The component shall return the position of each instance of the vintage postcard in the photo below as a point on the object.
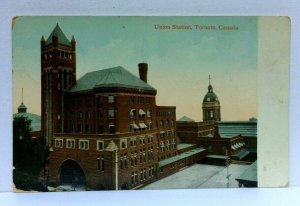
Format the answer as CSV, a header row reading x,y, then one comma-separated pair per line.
x,y
141,103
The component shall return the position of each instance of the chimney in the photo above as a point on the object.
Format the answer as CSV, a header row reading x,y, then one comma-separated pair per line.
x,y
143,69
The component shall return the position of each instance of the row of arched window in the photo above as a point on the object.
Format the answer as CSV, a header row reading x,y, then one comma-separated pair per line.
x,y
166,123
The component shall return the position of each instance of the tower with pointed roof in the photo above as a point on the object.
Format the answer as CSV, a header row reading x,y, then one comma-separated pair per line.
x,y
211,105
58,74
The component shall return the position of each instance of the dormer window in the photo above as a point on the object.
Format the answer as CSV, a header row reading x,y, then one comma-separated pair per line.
x,y
208,99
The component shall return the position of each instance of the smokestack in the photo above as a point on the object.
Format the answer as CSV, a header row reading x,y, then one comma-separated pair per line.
x,y
143,69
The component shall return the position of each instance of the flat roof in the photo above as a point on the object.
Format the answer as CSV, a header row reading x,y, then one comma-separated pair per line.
x,y
216,156
180,156
241,154
250,173
183,145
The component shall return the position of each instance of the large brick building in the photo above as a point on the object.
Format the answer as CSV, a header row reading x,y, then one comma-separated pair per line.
x,y
105,129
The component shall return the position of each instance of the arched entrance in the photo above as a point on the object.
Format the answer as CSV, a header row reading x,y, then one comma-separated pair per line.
x,y
72,174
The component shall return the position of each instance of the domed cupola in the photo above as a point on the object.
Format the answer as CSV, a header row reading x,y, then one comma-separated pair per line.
x,y
211,105
22,108
210,95
35,119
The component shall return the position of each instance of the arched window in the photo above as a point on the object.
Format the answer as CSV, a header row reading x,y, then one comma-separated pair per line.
x,y
211,113
161,123
172,122
79,115
167,123
149,113
87,115
132,113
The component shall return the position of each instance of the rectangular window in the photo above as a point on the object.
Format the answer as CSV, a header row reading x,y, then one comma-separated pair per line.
x,y
71,143
135,158
111,128
79,128
123,143
100,128
59,143
88,115
142,140
99,100
79,115
111,99
168,145
73,115
132,178
88,128
136,178
149,125
125,160
148,100
100,145
142,175
133,142
162,146
121,162
84,144
150,139
131,159
141,100
144,155
141,157
100,163
100,115
111,113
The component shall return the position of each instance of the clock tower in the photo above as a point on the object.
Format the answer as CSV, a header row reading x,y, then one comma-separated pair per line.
x,y
58,74
211,106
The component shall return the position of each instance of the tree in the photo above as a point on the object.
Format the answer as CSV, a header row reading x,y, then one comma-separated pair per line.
x,y
29,155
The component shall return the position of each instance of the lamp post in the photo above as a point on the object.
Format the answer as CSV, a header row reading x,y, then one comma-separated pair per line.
x,y
117,175
227,169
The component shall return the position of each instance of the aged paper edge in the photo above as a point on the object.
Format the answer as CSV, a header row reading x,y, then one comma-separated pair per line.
x,y
274,35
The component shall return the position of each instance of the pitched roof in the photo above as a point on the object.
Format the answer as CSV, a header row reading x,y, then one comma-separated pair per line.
x,y
234,128
185,119
62,39
111,77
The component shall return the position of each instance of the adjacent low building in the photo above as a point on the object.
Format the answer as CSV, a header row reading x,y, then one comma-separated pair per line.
x,y
35,119
249,177
221,139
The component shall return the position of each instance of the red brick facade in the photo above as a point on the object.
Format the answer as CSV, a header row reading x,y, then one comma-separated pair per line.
x,y
107,137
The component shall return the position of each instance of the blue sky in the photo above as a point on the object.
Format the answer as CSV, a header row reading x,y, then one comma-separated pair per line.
x,y
179,60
